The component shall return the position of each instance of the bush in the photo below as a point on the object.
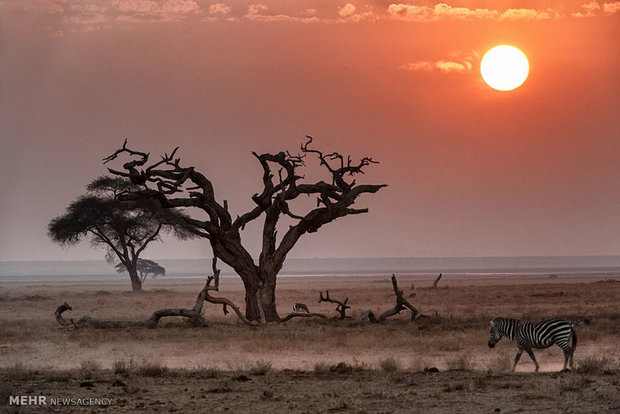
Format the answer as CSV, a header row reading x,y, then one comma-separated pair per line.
x,y
18,372
389,364
594,365
88,369
259,367
460,363
121,367
321,368
501,363
152,369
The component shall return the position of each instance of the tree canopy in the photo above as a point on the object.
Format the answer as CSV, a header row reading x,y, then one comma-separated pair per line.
x,y
145,267
176,186
123,228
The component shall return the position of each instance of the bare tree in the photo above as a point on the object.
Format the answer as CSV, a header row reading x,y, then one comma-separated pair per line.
x,y
175,185
124,229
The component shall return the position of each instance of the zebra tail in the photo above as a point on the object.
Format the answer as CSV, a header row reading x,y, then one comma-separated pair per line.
x,y
574,339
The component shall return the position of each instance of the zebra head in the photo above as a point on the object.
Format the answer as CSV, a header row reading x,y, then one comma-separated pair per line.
x,y
495,335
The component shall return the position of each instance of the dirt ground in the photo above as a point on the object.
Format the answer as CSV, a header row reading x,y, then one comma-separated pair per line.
x,y
310,365
340,391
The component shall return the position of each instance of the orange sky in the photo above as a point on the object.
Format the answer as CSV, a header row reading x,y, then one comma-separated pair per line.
x,y
471,171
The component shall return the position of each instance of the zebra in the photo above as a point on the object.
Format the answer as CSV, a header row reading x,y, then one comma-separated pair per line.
x,y
535,335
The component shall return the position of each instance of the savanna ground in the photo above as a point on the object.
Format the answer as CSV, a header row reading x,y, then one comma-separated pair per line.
x,y
312,365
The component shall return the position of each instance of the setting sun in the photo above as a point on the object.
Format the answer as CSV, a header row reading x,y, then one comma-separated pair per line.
x,y
504,68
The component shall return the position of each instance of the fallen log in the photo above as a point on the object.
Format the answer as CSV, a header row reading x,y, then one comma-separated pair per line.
x,y
194,313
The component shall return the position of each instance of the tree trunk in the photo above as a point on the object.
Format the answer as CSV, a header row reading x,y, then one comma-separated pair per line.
x,y
260,298
136,283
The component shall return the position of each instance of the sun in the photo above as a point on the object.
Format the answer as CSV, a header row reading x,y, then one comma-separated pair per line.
x,y
504,68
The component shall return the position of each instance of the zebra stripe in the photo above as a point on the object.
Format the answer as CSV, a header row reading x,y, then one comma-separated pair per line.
x,y
535,335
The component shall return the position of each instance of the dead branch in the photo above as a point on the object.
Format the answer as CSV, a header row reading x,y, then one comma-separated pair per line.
x,y
174,185
436,281
342,306
152,322
302,315
401,304
205,296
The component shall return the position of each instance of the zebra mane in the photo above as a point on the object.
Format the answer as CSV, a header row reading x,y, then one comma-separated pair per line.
x,y
508,320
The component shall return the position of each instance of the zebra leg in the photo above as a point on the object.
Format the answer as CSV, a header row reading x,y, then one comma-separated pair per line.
x,y
519,352
568,358
531,354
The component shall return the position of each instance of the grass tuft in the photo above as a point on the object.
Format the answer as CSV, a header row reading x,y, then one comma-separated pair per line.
x,y
259,367
321,368
88,368
18,372
594,365
122,367
390,364
152,369
501,363
460,363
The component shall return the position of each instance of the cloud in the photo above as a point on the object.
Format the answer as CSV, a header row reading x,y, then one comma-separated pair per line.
x,y
527,14
76,15
259,13
444,66
34,6
347,10
447,66
220,8
257,10
443,11
166,8
611,8
588,10
593,9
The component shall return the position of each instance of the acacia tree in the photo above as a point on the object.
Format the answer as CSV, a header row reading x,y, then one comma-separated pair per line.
x,y
145,267
123,228
174,185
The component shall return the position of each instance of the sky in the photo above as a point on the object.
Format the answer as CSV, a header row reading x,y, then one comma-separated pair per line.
x,y
471,171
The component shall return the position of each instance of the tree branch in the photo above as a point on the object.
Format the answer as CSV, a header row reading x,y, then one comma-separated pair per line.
x,y
342,306
401,304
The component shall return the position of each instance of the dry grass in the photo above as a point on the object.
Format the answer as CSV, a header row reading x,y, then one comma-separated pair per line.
x,y
461,362
390,364
597,365
460,329
502,363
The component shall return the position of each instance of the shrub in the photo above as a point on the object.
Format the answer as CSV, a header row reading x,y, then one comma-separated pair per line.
x,y
121,367
152,369
501,363
88,368
389,364
460,363
18,372
321,368
594,365
259,367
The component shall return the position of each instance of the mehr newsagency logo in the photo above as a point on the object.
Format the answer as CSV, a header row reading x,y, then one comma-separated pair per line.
x,y
44,400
